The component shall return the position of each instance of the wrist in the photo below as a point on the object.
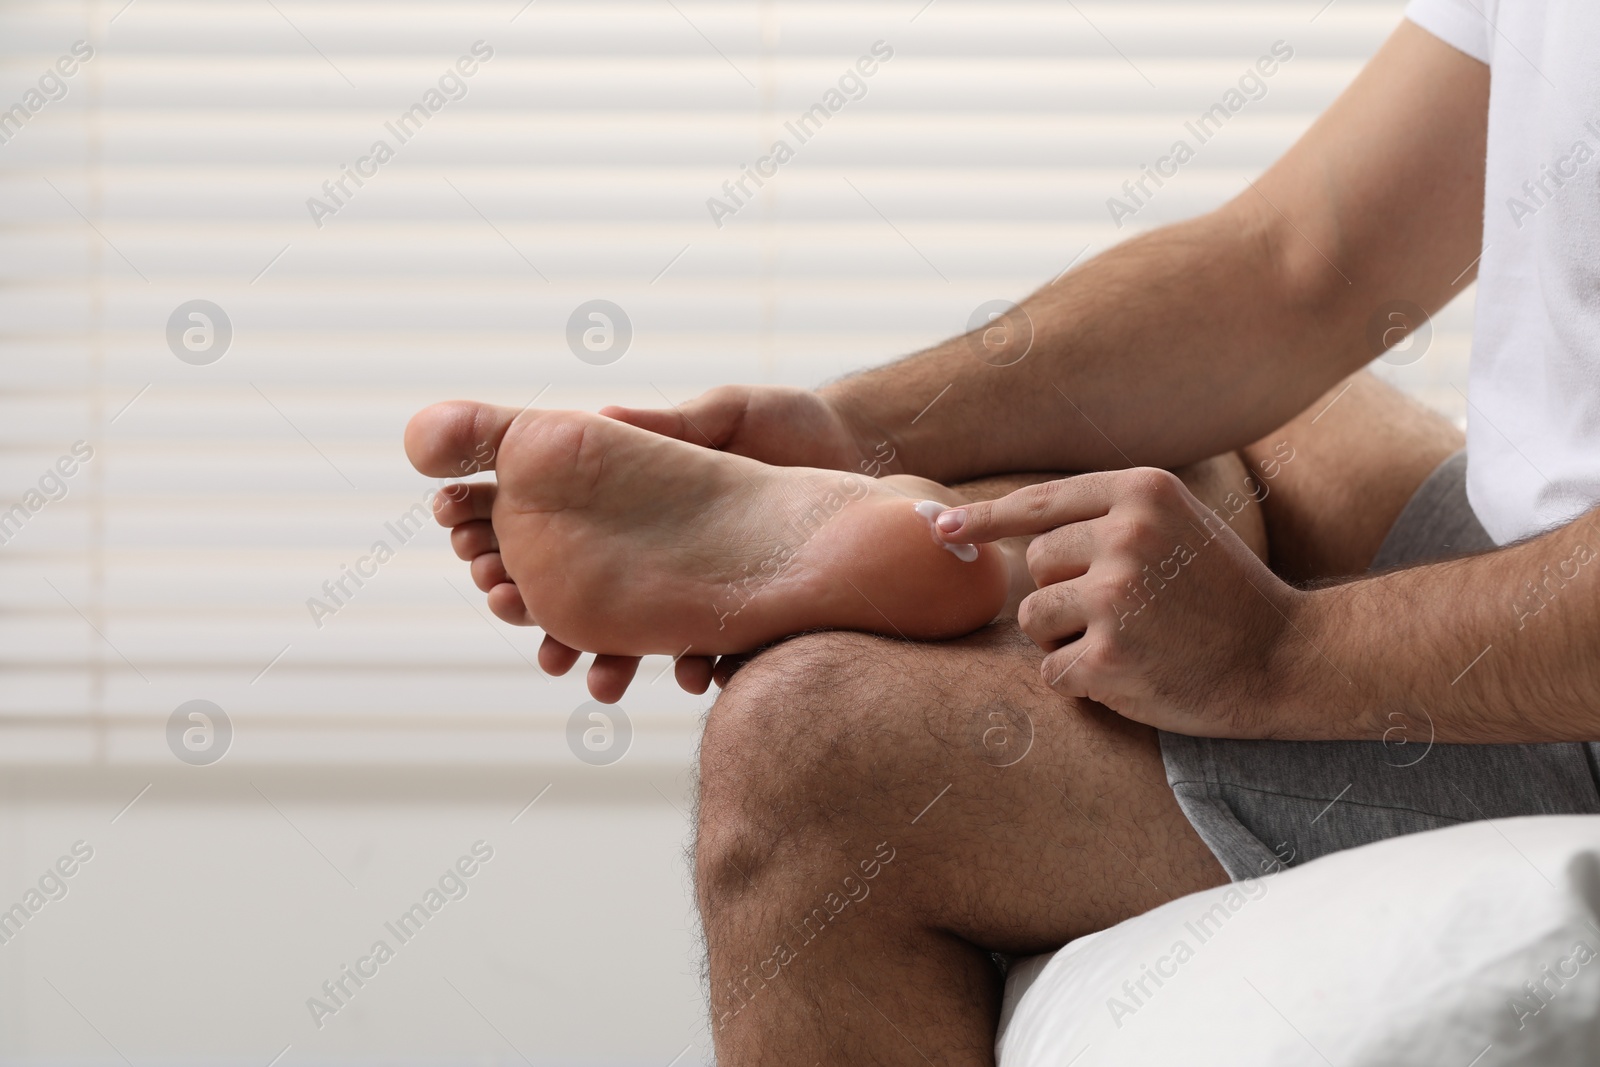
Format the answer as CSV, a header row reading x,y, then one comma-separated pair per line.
x,y
880,451
1312,693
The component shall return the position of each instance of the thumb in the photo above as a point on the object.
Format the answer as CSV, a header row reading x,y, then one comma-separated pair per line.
x,y
666,422
708,420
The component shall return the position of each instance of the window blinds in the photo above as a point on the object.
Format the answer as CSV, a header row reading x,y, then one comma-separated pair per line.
x,y
221,298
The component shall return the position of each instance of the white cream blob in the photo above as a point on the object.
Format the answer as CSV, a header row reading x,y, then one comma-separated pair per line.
x,y
932,509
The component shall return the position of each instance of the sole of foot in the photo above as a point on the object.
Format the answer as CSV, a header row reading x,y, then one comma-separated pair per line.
x,y
623,542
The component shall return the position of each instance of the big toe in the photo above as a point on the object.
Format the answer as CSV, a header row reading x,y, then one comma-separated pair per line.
x,y
457,438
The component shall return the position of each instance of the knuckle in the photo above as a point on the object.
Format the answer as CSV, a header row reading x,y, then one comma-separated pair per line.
x,y
1109,652
1112,581
1098,659
1144,538
1070,668
1028,621
1034,613
1037,500
1041,551
1152,483
1124,532
721,396
1113,597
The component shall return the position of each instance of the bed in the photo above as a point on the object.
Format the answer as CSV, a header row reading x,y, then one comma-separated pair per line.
x,y
1472,946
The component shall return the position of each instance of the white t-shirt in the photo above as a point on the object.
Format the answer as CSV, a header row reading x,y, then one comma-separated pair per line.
x,y
1533,421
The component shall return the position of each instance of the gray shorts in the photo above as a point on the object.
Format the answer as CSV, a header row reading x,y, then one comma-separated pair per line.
x,y
1260,805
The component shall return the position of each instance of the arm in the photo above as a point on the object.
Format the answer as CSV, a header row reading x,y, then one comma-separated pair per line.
x,y
1498,648
1202,336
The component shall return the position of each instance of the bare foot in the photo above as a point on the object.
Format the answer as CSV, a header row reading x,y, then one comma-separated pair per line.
x,y
623,542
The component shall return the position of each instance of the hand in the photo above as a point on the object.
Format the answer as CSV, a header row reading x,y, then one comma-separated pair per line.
x,y
783,426
1147,602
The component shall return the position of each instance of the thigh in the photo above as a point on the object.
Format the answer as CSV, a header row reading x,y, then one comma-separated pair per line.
x,y
1018,819
1357,456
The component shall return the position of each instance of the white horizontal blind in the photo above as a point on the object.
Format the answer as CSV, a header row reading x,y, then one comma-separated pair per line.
x,y
576,164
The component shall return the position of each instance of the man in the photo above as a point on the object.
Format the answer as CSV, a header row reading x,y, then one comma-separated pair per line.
x,y
877,817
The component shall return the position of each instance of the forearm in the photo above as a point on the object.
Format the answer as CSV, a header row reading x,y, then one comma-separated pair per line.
x,y
1498,648
1169,348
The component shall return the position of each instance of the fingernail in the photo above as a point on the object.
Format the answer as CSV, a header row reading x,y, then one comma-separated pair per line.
x,y
952,521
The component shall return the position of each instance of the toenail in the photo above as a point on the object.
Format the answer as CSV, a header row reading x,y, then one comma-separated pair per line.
x,y
952,521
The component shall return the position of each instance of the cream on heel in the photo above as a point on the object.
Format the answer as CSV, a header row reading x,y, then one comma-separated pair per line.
x,y
930,510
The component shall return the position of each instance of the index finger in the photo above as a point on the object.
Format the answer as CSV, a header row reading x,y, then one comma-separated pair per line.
x,y
1033,509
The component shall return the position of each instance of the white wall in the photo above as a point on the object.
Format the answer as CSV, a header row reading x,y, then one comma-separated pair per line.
x,y
205,920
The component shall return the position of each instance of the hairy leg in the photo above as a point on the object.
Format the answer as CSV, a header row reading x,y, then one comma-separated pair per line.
x,y
875,816
831,752
1359,453
949,802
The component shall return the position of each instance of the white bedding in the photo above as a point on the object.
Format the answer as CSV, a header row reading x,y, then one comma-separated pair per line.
x,y
1474,946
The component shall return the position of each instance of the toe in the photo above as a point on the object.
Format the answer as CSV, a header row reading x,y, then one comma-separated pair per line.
x,y
610,676
457,438
473,539
505,601
463,502
693,674
488,571
556,658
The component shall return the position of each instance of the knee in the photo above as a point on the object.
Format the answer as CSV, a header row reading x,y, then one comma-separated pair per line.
x,y
778,756
1233,492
